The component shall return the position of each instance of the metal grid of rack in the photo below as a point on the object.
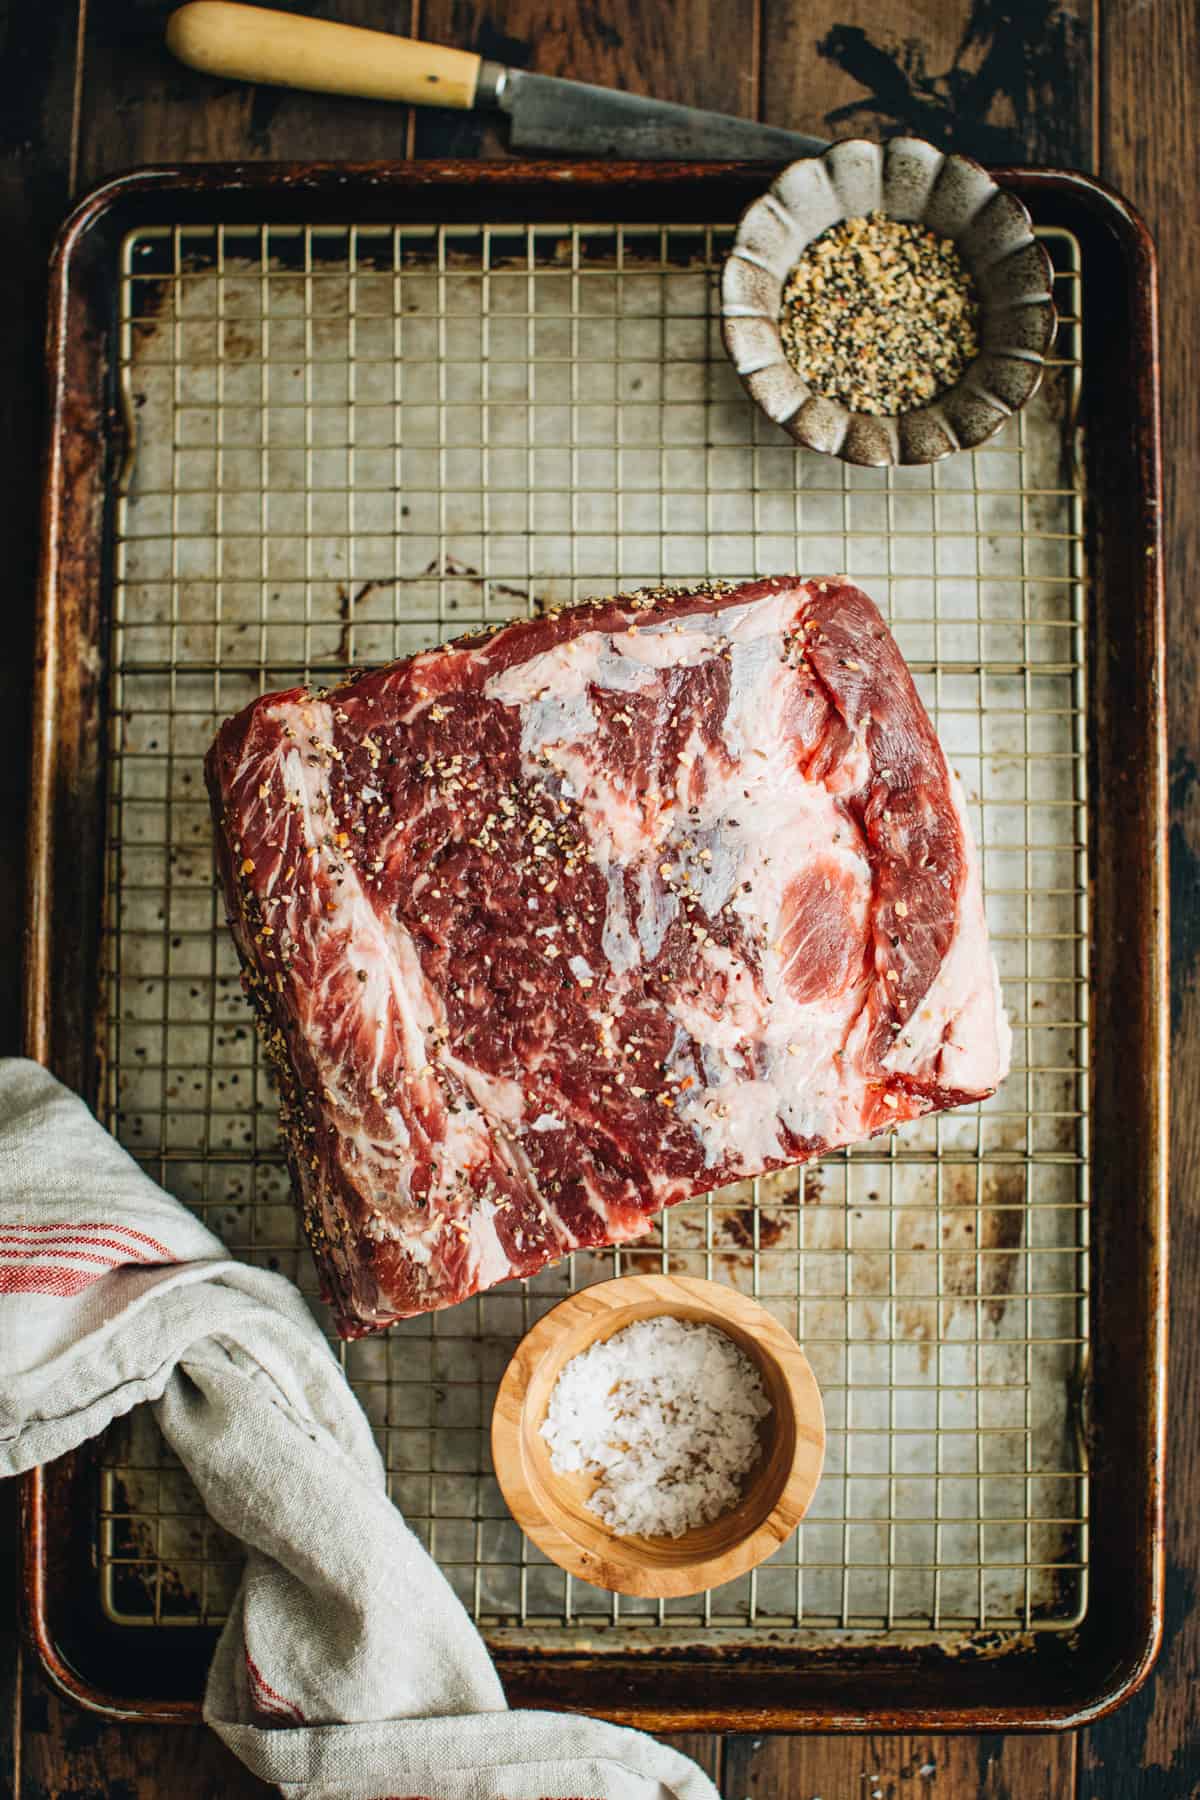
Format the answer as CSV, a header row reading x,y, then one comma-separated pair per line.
x,y
349,443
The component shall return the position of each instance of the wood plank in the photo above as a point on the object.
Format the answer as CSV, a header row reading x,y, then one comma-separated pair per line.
x,y
703,1747
1150,1749
139,105
698,52
36,80
37,67
1002,82
899,1768
72,1755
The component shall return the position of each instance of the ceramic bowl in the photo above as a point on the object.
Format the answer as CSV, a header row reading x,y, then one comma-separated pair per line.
x,y
551,1508
956,198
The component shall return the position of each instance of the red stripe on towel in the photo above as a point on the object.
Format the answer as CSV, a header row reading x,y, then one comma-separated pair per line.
x,y
12,1244
45,1279
265,1697
39,1255
73,1226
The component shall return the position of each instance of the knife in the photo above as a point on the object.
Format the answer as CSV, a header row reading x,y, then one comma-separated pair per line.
x,y
252,43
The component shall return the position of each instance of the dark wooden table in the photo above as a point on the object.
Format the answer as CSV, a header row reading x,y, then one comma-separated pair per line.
x,y
1111,86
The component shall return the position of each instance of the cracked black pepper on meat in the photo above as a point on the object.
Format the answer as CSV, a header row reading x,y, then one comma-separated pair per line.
x,y
880,314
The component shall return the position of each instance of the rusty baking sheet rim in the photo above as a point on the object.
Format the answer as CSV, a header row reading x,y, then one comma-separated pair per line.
x,y
977,1684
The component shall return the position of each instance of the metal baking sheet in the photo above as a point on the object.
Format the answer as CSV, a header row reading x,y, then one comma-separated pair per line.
x,y
347,443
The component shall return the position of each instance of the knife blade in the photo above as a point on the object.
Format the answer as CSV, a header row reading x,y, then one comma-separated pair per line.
x,y
546,112
550,113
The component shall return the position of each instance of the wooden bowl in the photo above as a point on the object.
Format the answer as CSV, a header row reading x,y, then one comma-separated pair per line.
x,y
550,1508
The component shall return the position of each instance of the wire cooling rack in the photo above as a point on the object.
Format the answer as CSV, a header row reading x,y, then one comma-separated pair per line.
x,y
348,443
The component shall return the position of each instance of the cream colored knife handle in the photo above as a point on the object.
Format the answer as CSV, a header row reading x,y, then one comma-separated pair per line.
x,y
253,43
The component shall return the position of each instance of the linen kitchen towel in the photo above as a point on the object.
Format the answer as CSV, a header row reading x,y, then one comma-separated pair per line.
x,y
348,1670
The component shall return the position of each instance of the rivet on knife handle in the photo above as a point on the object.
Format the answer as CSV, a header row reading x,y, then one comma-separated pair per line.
x,y
253,43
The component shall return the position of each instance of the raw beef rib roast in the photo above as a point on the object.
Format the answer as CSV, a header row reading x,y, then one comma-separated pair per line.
x,y
558,925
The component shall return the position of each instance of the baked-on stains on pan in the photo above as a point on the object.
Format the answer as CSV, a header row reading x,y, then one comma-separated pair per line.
x,y
738,1226
1185,880
998,1207
347,602
1015,58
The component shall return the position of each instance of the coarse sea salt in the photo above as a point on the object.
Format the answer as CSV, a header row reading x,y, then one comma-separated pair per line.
x,y
666,1412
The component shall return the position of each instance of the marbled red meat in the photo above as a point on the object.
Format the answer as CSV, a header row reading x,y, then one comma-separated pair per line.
x,y
551,928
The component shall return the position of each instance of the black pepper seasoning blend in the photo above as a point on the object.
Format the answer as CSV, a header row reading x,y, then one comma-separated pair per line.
x,y
880,314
